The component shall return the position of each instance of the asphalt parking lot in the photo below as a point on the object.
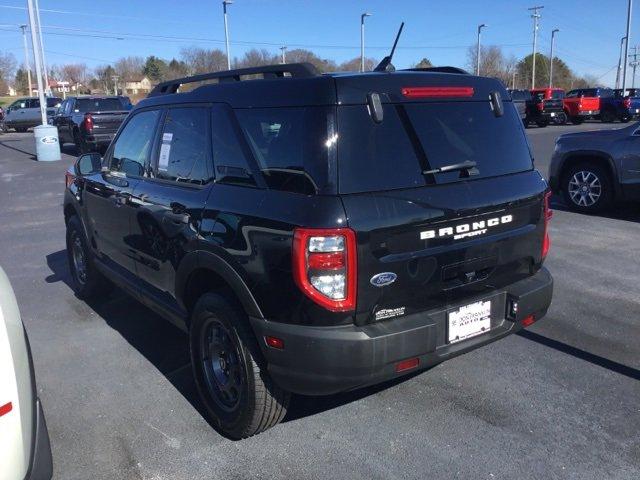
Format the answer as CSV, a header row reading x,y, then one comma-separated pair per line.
x,y
560,400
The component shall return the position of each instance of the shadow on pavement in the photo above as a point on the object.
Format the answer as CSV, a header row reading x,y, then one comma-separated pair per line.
x,y
167,348
629,212
4,143
581,354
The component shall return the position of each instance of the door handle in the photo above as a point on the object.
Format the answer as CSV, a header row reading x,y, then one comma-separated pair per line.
x,y
121,199
177,218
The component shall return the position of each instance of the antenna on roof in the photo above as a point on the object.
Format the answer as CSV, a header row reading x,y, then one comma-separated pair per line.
x,y
385,64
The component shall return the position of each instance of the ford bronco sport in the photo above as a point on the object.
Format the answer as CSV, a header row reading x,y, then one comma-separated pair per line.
x,y
316,233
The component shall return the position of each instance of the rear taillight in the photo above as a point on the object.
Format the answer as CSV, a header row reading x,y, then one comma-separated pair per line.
x,y
437,92
69,178
627,102
540,106
324,266
548,213
88,123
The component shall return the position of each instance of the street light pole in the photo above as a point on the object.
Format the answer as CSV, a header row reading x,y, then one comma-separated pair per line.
x,y
26,55
44,63
36,55
226,30
480,27
536,16
362,17
115,84
513,80
284,54
626,47
620,62
553,36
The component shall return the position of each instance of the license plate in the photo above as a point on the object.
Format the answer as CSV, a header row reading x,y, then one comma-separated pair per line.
x,y
553,114
469,321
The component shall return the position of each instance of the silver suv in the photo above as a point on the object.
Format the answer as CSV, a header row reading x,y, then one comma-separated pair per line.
x,y
25,112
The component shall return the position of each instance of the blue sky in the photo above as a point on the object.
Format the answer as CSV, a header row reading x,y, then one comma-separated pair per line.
x,y
439,30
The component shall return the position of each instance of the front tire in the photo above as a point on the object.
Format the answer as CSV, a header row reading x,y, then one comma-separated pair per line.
x,y
586,188
238,393
87,281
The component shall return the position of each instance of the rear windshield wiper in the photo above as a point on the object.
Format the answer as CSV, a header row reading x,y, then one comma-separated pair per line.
x,y
468,168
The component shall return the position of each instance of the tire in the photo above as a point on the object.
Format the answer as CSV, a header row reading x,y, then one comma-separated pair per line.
x,y
526,122
625,118
21,129
542,124
583,174
87,281
81,145
240,397
577,120
560,119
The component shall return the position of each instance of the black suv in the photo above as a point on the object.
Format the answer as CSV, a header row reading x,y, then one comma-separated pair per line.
x,y
316,233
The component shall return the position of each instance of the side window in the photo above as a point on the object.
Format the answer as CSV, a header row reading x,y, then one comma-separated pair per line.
x,y
185,154
133,146
231,165
572,94
33,103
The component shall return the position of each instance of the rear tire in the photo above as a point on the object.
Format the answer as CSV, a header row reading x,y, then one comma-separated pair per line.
x,y
87,281
587,188
542,124
607,117
81,145
20,129
560,119
240,397
577,120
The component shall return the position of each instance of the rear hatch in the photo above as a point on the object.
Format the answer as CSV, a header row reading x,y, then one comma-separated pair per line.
x,y
107,113
446,236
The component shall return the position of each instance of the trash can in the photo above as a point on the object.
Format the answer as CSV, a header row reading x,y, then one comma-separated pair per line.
x,y
47,145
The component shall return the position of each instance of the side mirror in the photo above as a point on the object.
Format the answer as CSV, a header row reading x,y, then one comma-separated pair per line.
x,y
88,163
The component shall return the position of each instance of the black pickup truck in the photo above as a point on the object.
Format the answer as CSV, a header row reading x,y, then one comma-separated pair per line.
x,y
546,106
90,122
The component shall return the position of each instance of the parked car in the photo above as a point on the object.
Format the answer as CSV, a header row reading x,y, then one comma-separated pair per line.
x,y
520,99
25,451
584,103
619,106
547,106
24,113
316,233
90,122
594,169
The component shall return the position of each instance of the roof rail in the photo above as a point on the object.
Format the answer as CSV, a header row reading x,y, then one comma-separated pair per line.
x,y
293,70
439,69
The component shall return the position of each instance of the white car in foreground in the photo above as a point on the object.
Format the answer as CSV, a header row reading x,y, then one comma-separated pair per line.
x,y
25,452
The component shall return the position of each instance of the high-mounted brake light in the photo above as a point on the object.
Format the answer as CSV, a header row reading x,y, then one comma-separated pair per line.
x,y
88,123
324,266
548,213
6,408
437,92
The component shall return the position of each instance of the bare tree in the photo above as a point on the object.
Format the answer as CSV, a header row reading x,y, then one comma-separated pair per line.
x,y
74,73
200,60
7,70
128,68
353,65
256,58
300,55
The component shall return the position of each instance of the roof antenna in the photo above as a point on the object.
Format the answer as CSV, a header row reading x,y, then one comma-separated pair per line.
x,y
385,64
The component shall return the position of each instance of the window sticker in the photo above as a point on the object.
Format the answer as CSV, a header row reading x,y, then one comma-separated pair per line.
x,y
163,161
167,137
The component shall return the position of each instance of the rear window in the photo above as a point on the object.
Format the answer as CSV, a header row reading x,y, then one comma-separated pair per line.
x,y
290,146
557,94
538,96
424,136
98,105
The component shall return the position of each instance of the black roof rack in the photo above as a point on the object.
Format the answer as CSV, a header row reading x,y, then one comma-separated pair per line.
x,y
439,69
292,70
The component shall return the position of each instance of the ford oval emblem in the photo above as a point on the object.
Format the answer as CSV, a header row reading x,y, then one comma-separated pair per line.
x,y
49,140
383,279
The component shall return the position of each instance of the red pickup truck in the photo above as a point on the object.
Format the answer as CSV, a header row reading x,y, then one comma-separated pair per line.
x,y
583,103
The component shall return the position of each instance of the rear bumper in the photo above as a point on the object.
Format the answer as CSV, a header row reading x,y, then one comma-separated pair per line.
x,y
99,138
327,360
587,113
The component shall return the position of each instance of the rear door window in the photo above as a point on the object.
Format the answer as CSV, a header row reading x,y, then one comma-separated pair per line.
x,y
184,152
424,136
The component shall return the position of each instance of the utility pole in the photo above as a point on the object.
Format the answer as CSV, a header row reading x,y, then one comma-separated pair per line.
x,y
626,47
36,54
26,55
536,16
115,84
634,64
362,17
513,80
226,30
44,63
283,49
553,36
480,27
620,62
